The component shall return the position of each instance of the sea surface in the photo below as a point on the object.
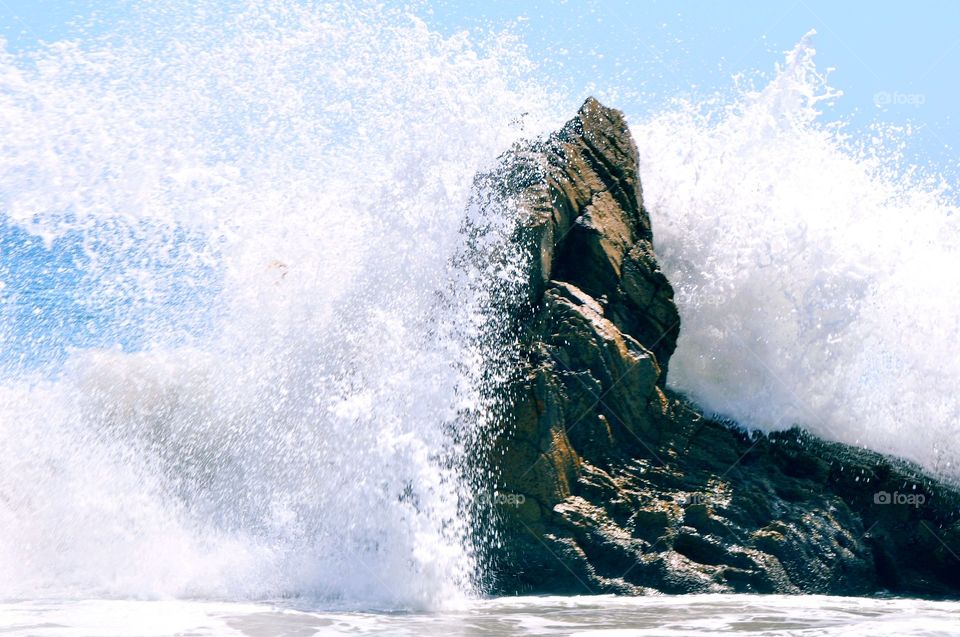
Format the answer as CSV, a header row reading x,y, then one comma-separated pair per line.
x,y
601,616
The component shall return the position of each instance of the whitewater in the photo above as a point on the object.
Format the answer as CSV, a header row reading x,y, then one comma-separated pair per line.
x,y
257,365
273,384
816,271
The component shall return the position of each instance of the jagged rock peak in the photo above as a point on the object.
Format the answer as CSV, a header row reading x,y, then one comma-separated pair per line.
x,y
588,227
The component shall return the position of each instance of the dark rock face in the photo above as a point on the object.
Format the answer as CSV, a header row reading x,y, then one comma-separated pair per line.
x,y
619,485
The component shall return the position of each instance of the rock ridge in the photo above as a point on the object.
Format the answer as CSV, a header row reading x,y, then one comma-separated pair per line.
x,y
621,485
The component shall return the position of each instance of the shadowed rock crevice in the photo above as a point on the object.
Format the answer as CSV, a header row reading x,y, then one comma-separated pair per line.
x,y
623,486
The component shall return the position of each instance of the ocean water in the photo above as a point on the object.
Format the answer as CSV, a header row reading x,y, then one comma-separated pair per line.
x,y
243,358
816,272
597,616
277,371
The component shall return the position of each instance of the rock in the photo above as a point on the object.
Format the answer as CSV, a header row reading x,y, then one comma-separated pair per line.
x,y
585,224
619,484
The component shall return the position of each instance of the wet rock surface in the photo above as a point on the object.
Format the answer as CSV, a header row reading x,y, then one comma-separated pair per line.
x,y
618,484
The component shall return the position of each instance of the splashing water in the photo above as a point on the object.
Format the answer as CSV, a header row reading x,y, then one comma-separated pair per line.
x,y
296,178
817,280
237,361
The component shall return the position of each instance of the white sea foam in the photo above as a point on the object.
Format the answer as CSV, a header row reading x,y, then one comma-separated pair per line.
x,y
593,616
301,175
817,278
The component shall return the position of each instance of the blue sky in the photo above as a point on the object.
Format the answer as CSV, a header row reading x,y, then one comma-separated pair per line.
x,y
896,62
